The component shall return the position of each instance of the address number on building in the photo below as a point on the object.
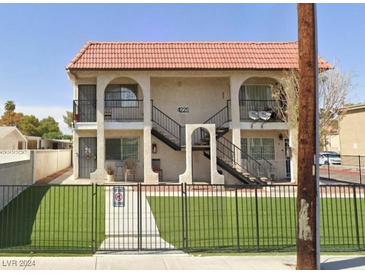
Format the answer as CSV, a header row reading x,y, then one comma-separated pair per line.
x,y
183,109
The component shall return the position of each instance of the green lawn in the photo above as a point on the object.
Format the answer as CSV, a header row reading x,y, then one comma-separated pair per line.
x,y
44,218
71,219
213,224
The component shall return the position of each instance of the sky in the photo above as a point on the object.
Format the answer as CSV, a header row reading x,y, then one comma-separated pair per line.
x,y
37,41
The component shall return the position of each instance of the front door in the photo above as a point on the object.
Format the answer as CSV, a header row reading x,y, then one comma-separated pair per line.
x,y
87,156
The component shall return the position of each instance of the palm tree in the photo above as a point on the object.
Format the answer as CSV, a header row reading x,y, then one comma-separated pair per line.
x,y
9,106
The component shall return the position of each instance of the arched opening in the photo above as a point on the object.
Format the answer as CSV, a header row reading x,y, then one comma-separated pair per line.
x,y
123,100
201,151
261,99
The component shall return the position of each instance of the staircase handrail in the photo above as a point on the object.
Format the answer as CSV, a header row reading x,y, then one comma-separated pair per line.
x,y
225,108
240,150
168,118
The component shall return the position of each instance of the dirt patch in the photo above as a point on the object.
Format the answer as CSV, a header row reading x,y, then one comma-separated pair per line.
x,y
50,178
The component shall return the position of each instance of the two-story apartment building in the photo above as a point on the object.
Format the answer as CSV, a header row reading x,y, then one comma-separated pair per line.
x,y
133,103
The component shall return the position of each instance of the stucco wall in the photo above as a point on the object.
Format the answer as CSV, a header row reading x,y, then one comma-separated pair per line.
x,y
14,177
7,156
203,96
173,163
17,175
203,92
333,143
352,130
48,162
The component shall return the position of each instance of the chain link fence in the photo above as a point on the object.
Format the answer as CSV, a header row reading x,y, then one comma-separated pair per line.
x,y
349,169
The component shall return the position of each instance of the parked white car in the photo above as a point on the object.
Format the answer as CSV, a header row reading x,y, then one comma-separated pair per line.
x,y
329,157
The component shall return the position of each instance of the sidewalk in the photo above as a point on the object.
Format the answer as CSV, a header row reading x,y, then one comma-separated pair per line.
x,y
175,262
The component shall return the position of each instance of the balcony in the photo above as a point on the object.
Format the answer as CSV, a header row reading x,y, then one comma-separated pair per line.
x,y
84,111
250,108
123,110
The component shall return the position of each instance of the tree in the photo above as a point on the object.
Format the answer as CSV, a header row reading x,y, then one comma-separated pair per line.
x,y
29,125
10,117
68,119
49,129
333,88
52,135
288,91
9,106
67,137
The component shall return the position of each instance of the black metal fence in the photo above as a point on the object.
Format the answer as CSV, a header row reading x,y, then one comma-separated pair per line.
x,y
123,110
347,168
276,108
84,111
202,218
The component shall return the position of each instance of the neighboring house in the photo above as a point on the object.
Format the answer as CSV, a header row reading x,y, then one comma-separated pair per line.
x,y
56,144
352,130
12,139
332,142
34,142
134,101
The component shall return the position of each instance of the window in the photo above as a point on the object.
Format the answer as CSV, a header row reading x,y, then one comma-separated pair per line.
x,y
121,148
258,148
268,148
126,95
112,149
243,148
255,92
129,148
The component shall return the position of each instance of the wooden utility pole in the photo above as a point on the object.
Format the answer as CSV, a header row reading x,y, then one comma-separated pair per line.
x,y
308,144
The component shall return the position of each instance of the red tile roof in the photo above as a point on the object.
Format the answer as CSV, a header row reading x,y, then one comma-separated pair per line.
x,y
188,55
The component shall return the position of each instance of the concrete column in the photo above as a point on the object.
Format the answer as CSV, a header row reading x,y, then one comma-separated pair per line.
x,y
149,175
75,155
235,85
100,173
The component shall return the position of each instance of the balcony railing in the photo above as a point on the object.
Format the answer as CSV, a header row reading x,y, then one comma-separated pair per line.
x,y
84,111
123,110
275,107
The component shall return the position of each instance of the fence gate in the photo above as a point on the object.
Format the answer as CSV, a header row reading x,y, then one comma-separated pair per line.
x,y
130,221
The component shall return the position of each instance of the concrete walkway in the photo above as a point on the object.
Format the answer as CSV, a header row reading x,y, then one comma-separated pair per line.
x,y
175,262
67,178
121,223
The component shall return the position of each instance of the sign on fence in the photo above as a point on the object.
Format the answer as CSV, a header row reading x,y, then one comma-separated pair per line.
x,y
118,196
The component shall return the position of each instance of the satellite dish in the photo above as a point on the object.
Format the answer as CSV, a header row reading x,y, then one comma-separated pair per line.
x,y
254,115
265,115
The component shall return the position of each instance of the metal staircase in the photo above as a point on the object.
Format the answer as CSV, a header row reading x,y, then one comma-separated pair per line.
x,y
167,129
249,171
